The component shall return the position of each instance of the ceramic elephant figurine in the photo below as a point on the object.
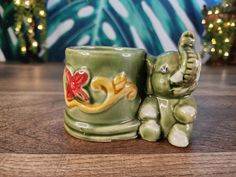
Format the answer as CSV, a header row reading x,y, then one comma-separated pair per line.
x,y
169,109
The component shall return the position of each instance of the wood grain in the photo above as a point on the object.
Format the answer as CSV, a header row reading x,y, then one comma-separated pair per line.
x,y
32,115
31,125
32,78
201,164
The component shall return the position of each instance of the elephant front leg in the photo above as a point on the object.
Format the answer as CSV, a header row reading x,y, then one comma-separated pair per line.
x,y
185,113
148,114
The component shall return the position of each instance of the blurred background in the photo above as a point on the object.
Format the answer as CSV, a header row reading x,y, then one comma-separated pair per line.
x,y
40,30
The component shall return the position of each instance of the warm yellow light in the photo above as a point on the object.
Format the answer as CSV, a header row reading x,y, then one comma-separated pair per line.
x,y
226,54
220,32
40,27
213,41
205,49
27,3
213,49
219,28
218,20
209,12
228,24
30,30
29,20
217,11
42,12
220,51
23,49
17,29
226,40
233,24
17,2
35,44
211,25
203,21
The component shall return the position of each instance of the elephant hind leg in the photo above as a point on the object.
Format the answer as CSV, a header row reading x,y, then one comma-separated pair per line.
x,y
179,135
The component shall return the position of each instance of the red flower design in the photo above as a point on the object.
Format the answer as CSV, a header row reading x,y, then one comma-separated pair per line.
x,y
75,84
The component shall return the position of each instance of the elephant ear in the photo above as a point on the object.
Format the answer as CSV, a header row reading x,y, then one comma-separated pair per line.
x,y
149,70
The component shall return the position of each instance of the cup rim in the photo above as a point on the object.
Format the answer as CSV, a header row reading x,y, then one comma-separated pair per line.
x,y
104,49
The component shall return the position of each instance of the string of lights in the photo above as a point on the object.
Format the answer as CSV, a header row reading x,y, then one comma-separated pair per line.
x,y
219,23
30,26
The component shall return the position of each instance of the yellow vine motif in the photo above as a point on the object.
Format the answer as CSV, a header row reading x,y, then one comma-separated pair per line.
x,y
115,89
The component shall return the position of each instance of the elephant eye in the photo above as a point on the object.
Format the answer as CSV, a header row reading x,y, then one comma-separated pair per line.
x,y
164,69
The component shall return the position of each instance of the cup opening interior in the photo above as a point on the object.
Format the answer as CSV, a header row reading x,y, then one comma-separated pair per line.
x,y
104,48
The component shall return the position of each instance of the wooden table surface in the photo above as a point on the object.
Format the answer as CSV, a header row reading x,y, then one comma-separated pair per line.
x,y
33,141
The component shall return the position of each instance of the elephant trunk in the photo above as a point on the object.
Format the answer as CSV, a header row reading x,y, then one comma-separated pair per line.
x,y
186,44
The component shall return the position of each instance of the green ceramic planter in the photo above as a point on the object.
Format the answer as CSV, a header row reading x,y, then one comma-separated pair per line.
x,y
103,88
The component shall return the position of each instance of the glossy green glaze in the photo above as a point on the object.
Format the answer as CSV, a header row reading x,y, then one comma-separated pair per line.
x,y
169,110
104,86
119,120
